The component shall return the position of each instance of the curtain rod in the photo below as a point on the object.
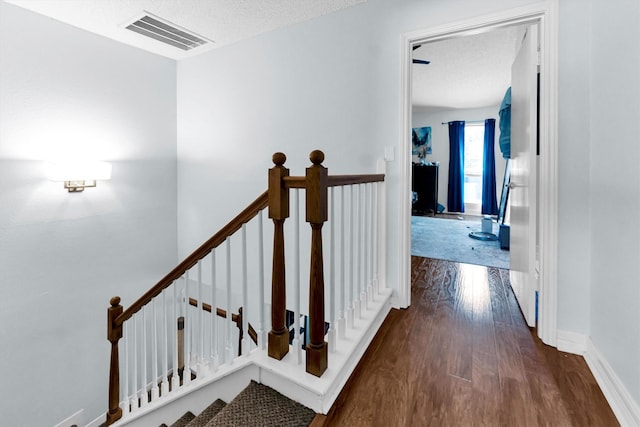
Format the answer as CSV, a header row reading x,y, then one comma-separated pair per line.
x,y
466,121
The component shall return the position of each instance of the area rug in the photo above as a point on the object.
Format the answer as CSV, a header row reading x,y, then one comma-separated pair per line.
x,y
448,239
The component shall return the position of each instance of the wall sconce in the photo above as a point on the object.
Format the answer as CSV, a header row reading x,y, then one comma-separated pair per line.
x,y
78,175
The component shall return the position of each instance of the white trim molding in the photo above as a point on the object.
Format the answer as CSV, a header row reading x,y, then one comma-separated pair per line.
x,y
622,403
572,342
545,14
75,419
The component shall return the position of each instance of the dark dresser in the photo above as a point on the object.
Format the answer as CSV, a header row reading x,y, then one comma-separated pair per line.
x,y
424,182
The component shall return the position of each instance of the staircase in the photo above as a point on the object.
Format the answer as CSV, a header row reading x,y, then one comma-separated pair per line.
x,y
257,405
211,325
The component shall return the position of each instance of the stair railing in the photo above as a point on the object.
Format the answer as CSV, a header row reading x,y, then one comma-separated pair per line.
x,y
364,205
176,357
174,305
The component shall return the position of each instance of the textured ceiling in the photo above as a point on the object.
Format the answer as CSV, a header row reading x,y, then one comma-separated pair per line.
x,y
223,21
465,72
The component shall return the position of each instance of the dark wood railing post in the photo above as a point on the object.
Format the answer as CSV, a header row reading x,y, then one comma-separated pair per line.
x,y
278,340
114,333
240,330
180,345
317,184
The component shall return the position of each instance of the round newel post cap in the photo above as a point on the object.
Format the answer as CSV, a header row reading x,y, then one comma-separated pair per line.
x,y
279,158
115,301
316,157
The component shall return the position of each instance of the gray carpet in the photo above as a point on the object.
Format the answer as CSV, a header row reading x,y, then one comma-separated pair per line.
x,y
184,420
448,239
207,415
261,406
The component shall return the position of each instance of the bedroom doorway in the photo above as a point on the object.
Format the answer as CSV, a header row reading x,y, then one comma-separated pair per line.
x,y
457,95
544,16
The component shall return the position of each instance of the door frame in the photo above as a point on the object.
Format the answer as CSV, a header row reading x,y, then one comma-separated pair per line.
x,y
545,14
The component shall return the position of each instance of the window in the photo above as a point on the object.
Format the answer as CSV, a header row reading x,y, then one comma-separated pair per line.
x,y
473,159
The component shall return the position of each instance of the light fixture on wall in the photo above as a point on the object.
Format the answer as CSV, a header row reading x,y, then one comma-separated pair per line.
x,y
78,175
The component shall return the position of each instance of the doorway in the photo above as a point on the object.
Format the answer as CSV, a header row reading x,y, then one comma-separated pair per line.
x,y
544,15
459,85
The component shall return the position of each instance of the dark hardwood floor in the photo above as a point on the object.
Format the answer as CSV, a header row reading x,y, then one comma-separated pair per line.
x,y
462,355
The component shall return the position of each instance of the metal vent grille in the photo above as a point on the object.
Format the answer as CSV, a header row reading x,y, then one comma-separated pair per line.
x,y
167,32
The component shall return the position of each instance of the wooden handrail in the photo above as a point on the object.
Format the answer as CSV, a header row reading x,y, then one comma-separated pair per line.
x,y
334,180
216,240
235,318
338,180
219,311
253,334
294,182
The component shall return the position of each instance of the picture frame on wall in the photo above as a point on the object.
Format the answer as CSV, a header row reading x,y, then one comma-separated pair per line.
x,y
421,143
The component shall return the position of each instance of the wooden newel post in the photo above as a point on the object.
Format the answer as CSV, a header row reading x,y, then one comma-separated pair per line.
x,y
114,333
278,339
317,200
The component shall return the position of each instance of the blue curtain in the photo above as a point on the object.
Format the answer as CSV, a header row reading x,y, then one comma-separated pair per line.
x,y
489,200
455,196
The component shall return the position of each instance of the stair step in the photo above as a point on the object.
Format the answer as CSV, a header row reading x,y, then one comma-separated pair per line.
x,y
182,421
259,405
256,406
206,415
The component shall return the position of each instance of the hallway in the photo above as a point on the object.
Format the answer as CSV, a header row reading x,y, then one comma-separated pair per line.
x,y
461,355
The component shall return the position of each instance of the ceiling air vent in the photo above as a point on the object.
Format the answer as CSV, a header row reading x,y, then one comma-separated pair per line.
x,y
167,32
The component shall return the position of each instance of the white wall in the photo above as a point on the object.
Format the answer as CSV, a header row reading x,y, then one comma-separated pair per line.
x,y
62,256
574,136
334,83
440,141
615,186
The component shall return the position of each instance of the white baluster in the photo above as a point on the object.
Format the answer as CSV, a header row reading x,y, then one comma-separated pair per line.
x,y
200,330
262,338
245,295
351,279
343,303
124,405
135,402
229,355
144,399
215,360
358,249
332,275
175,378
186,373
164,388
362,265
155,390
297,345
372,251
367,245
376,229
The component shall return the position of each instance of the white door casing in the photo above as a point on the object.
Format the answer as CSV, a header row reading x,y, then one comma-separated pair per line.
x,y
545,15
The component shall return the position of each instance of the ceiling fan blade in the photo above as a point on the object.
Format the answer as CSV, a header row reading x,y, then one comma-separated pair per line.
x,y
420,61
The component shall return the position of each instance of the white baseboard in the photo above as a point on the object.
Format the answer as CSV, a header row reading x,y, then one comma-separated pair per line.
x,y
622,403
75,419
98,421
572,342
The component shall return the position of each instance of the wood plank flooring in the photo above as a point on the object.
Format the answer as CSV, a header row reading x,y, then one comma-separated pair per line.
x,y
462,355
